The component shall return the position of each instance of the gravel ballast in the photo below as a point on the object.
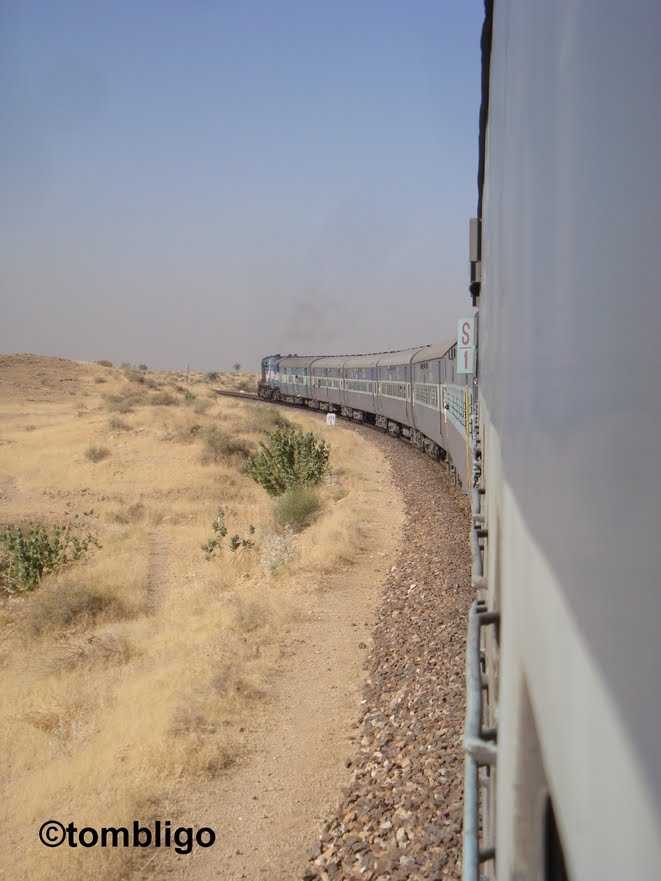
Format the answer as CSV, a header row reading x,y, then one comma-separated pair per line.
x,y
401,815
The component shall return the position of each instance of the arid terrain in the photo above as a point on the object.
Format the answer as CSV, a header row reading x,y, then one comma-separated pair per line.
x,y
153,679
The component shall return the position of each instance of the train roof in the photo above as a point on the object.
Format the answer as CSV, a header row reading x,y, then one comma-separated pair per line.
x,y
395,359
371,359
433,352
297,360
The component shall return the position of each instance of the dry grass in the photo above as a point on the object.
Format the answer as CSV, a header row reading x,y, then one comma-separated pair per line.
x,y
220,445
297,507
97,454
127,676
117,424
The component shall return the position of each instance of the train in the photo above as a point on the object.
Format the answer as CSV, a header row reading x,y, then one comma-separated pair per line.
x,y
564,696
418,394
555,435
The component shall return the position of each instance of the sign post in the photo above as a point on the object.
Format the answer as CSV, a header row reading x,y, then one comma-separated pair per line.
x,y
466,345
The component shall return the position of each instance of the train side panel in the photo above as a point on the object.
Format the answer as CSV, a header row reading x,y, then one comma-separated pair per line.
x,y
570,362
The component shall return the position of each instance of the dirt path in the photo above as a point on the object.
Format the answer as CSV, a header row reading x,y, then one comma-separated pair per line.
x,y
268,811
400,818
158,574
361,738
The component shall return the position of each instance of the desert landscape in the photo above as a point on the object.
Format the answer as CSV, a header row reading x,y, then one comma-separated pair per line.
x,y
170,614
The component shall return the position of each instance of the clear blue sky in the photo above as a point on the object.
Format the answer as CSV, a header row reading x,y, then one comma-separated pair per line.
x,y
203,182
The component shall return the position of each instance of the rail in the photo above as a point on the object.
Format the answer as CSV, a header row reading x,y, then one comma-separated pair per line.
x,y
247,396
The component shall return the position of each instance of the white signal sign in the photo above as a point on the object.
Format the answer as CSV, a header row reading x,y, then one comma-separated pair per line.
x,y
466,345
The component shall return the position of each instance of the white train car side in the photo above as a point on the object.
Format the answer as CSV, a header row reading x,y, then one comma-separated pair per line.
x,y
570,427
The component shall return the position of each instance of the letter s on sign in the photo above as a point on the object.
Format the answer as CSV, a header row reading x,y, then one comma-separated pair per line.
x,y
466,333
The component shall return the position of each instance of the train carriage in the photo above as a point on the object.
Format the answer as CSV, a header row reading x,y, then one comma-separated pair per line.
x,y
360,392
294,371
327,381
394,390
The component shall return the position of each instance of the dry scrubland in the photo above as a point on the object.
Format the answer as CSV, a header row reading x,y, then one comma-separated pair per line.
x,y
127,675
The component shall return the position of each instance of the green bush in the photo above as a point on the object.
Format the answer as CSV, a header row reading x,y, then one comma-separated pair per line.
x,y
292,457
27,553
215,543
213,376
296,507
218,445
219,532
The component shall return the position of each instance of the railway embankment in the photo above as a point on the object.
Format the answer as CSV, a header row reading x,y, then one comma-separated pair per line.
x,y
401,814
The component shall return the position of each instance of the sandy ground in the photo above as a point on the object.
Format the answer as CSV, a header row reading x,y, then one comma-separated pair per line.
x,y
216,693
267,814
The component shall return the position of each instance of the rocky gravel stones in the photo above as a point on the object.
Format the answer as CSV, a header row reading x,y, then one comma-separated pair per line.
x,y
401,815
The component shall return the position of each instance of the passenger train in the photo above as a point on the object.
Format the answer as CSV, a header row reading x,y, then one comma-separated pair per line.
x,y
556,437
416,393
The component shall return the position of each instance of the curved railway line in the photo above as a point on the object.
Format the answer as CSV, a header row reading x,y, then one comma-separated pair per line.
x,y
401,814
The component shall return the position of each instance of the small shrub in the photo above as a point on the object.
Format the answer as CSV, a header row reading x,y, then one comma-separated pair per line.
x,y
188,396
27,553
133,514
104,363
64,605
213,376
277,550
143,367
30,427
291,457
97,454
218,445
117,424
201,407
183,434
296,507
265,420
164,399
99,380
237,542
219,532
125,402
135,376
125,365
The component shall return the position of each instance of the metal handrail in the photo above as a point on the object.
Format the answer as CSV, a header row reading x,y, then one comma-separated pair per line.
x,y
479,751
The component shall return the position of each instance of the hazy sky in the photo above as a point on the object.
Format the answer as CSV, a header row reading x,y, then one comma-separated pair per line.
x,y
205,182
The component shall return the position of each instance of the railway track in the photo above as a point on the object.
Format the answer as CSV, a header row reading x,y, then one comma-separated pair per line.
x,y
245,396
